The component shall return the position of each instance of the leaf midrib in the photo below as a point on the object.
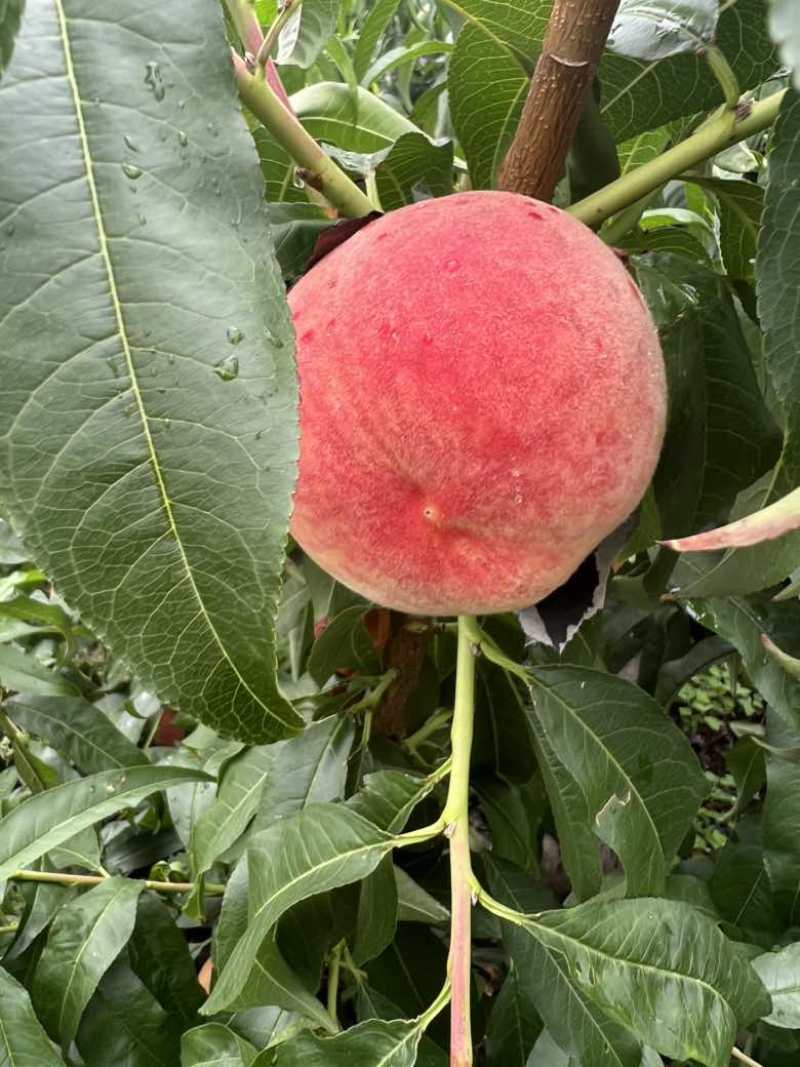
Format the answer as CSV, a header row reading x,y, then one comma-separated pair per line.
x,y
105,256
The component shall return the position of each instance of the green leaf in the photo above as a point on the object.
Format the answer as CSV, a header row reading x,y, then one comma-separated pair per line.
x,y
720,435
10,18
487,88
215,1045
318,849
580,1025
228,816
640,95
44,821
636,770
126,1026
414,163
86,937
326,111
655,29
24,1042
781,815
415,904
402,56
777,272
374,1043
780,973
514,1024
377,913
345,642
784,25
42,902
78,730
748,569
631,954
156,486
23,673
742,621
296,229
307,32
160,956
503,743
378,16
513,824
278,170
742,895
388,798
741,204
308,769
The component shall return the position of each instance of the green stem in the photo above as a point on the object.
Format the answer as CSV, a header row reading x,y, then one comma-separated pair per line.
x,y
723,72
321,172
456,819
725,130
334,970
63,878
10,929
433,725
375,695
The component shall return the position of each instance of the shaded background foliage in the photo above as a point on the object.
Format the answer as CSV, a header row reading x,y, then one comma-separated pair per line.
x,y
193,723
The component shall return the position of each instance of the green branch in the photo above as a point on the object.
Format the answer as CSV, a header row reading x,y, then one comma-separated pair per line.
x,y
715,136
61,878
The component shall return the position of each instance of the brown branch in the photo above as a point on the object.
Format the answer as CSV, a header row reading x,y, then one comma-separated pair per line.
x,y
571,51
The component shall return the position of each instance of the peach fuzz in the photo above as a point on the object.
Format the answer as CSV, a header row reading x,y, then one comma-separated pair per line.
x,y
482,402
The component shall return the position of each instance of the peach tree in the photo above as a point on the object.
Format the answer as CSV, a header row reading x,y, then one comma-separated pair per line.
x,y
400,551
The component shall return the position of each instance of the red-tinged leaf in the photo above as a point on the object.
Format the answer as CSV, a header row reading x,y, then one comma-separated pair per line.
x,y
773,521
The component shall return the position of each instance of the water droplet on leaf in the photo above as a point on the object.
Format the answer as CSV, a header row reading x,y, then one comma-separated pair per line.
x,y
130,143
130,170
227,369
234,335
183,138
152,77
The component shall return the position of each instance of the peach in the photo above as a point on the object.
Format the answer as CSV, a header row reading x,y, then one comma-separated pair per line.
x,y
482,402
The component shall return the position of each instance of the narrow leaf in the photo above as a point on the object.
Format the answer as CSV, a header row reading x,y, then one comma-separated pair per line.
x,y
86,937
374,1043
23,1042
78,730
765,525
44,821
10,17
321,848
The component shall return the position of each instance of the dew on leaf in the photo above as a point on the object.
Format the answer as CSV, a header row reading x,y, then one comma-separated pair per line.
x,y
152,77
227,369
130,170
183,138
130,143
234,335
